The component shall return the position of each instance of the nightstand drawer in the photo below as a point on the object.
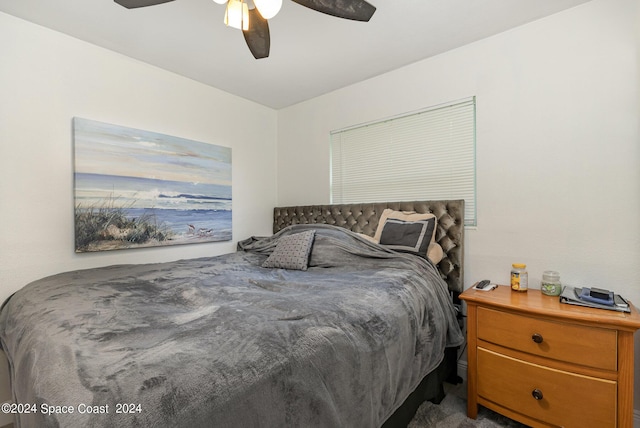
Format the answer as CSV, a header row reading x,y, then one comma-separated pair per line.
x,y
565,399
588,346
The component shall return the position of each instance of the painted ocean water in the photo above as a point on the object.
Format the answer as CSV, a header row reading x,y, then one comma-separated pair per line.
x,y
140,192
189,211
189,224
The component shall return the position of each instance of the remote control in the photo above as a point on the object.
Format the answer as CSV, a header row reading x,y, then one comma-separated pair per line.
x,y
482,284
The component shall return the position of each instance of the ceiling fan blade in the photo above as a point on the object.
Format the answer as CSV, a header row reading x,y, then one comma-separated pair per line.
x,y
257,36
357,10
132,4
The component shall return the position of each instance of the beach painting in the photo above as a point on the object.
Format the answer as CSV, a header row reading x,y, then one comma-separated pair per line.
x,y
137,188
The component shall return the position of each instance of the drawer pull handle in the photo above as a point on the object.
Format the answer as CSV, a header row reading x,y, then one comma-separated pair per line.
x,y
537,338
537,394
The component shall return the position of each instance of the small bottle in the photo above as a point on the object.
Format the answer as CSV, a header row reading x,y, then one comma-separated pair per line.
x,y
519,277
551,285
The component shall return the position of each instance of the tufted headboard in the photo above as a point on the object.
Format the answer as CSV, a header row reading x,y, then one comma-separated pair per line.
x,y
363,218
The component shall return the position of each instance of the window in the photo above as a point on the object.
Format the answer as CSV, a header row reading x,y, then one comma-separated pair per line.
x,y
425,155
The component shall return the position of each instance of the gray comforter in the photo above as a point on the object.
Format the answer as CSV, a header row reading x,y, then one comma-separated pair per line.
x,y
223,342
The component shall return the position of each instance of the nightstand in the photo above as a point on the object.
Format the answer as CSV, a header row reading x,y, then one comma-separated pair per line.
x,y
546,363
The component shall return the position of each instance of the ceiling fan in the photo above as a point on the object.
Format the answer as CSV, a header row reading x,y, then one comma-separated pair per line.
x,y
253,22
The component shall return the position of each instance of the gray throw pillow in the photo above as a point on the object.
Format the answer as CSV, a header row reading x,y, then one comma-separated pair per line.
x,y
408,236
291,252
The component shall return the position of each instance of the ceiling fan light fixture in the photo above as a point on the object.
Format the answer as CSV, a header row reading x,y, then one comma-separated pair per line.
x,y
268,8
256,33
237,15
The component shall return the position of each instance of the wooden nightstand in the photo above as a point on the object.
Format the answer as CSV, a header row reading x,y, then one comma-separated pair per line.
x,y
546,363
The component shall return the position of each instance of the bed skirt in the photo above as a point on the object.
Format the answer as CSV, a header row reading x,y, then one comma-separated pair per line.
x,y
430,389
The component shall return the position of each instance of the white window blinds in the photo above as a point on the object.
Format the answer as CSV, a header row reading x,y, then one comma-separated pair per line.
x,y
427,155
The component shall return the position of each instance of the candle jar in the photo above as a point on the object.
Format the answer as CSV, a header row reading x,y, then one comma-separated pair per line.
x,y
551,285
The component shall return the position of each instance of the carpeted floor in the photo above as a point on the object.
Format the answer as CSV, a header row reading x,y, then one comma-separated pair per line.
x,y
452,413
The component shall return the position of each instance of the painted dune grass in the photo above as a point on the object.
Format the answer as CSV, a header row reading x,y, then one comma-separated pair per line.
x,y
137,188
108,227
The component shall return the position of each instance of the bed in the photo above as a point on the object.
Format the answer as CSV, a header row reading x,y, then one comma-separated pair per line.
x,y
350,333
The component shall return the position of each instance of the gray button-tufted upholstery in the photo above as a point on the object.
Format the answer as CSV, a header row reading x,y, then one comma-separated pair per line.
x,y
363,218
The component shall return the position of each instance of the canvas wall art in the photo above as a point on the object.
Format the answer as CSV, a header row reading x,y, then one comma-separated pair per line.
x,y
137,188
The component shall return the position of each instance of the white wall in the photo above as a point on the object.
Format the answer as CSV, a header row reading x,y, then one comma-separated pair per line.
x,y
558,148
47,78
558,144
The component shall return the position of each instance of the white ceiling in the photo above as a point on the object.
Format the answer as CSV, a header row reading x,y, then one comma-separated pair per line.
x,y
311,53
